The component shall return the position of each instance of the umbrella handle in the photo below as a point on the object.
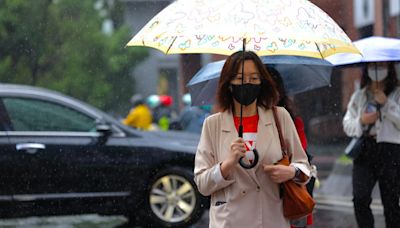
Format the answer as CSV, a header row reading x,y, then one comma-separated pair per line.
x,y
241,162
253,164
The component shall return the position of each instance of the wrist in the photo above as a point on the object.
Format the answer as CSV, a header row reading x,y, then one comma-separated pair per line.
x,y
226,167
230,162
297,173
227,164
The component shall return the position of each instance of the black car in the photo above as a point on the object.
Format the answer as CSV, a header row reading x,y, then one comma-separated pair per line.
x,y
61,156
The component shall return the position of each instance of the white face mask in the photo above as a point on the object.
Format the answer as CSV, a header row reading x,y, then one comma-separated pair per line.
x,y
377,75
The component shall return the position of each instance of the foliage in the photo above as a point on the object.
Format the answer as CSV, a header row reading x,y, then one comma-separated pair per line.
x,y
60,44
343,159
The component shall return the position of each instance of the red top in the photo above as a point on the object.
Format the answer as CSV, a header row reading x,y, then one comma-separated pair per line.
x,y
250,124
299,124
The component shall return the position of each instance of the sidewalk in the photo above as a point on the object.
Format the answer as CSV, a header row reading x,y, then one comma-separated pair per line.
x,y
339,182
324,157
325,164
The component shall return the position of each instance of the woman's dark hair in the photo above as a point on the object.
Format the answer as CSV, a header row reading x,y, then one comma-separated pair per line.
x,y
390,81
268,93
284,100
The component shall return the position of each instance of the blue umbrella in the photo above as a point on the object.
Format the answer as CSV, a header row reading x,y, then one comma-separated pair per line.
x,y
299,74
373,49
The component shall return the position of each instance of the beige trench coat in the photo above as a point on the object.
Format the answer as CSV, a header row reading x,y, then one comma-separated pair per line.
x,y
247,198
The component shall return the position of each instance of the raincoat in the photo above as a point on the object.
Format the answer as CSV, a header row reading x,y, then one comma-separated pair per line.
x,y
139,117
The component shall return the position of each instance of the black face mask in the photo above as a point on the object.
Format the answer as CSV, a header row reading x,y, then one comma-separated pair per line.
x,y
250,93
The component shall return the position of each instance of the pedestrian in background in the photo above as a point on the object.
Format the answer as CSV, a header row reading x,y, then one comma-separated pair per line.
x,y
286,102
192,117
140,115
247,197
374,110
163,113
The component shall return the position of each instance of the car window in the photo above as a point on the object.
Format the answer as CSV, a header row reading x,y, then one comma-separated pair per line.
x,y
4,120
38,115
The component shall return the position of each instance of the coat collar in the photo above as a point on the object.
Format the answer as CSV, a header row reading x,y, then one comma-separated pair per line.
x,y
227,125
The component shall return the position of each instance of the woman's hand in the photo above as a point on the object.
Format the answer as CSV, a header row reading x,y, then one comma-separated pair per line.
x,y
380,96
369,117
238,150
280,173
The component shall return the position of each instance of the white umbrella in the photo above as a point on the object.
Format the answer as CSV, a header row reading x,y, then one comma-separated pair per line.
x,y
270,27
373,49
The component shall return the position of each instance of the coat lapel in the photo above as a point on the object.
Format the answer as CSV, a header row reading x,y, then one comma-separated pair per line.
x,y
230,134
227,124
264,131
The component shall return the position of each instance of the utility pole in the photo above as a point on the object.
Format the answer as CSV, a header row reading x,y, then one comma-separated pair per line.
x,y
398,21
386,17
378,24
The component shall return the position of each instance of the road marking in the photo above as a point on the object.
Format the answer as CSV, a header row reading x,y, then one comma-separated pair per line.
x,y
345,204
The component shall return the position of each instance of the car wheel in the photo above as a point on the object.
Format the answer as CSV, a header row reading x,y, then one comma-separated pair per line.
x,y
173,199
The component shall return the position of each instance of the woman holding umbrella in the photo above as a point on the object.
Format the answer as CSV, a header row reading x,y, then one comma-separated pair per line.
x,y
247,197
374,111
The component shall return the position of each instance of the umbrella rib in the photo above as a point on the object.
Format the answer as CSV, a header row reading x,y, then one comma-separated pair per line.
x,y
171,44
319,50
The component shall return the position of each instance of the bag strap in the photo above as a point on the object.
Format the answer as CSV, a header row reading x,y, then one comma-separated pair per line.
x,y
366,132
278,126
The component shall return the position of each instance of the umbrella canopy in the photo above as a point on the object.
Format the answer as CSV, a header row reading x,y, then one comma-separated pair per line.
x,y
299,74
373,49
270,27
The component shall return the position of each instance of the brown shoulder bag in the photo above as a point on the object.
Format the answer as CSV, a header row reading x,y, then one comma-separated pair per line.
x,y
297,202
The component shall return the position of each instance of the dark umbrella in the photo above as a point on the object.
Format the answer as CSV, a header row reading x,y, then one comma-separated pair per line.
x,y
299,74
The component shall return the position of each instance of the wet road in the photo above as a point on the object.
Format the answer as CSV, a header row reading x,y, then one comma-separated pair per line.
x,y
329,213
332,213
338,213
334,210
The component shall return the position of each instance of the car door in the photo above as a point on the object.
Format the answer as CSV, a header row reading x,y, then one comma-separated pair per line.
x,y
56,152
7,183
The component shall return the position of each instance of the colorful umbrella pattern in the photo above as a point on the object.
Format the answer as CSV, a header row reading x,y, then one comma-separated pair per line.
x,y
271,27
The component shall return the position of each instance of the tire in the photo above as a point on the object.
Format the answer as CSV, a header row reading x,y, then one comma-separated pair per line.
x,y
173,199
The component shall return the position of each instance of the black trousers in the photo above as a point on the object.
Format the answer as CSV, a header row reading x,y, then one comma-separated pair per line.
x,y
378,162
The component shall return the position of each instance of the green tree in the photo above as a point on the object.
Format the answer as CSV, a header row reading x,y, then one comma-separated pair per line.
x,y
60,44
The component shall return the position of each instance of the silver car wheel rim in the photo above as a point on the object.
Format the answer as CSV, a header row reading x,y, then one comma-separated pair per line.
x,y
172,198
